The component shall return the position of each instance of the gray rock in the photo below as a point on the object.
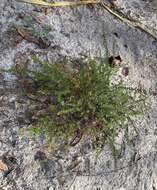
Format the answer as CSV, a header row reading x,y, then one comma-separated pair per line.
x,y
75,31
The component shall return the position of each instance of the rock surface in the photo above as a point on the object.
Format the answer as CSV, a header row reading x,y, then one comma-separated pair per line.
x,y
93,31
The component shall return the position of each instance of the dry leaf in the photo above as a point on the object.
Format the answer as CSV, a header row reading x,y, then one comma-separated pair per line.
x,y
74,164
59,4
77,138
3,167
27,35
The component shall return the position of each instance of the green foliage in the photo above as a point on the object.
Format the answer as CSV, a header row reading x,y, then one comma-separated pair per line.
x,y
75,102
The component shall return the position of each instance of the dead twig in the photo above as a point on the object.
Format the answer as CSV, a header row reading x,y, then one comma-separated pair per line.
x,y
59,4
130,21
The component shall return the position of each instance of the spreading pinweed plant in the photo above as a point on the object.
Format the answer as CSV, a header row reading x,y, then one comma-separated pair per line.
x,y
69,102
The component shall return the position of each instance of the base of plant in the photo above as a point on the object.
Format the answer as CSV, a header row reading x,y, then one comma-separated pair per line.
x,y
69,102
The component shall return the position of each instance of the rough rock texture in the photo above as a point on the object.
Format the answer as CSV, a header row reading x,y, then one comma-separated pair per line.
x,y
75,31
144,11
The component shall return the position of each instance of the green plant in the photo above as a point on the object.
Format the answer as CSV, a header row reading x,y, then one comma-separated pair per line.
x,y
69,102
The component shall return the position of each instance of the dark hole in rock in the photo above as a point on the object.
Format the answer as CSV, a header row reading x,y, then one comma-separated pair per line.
x,y
39,156
126,46
116,34
125,71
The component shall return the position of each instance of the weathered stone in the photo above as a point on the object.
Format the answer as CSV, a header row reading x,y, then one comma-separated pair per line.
x,y
77,31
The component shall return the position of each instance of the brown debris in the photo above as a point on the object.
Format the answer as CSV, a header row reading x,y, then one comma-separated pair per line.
x,y
77,138
115,61
3,166
13,38
74,164
27,35
20,60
